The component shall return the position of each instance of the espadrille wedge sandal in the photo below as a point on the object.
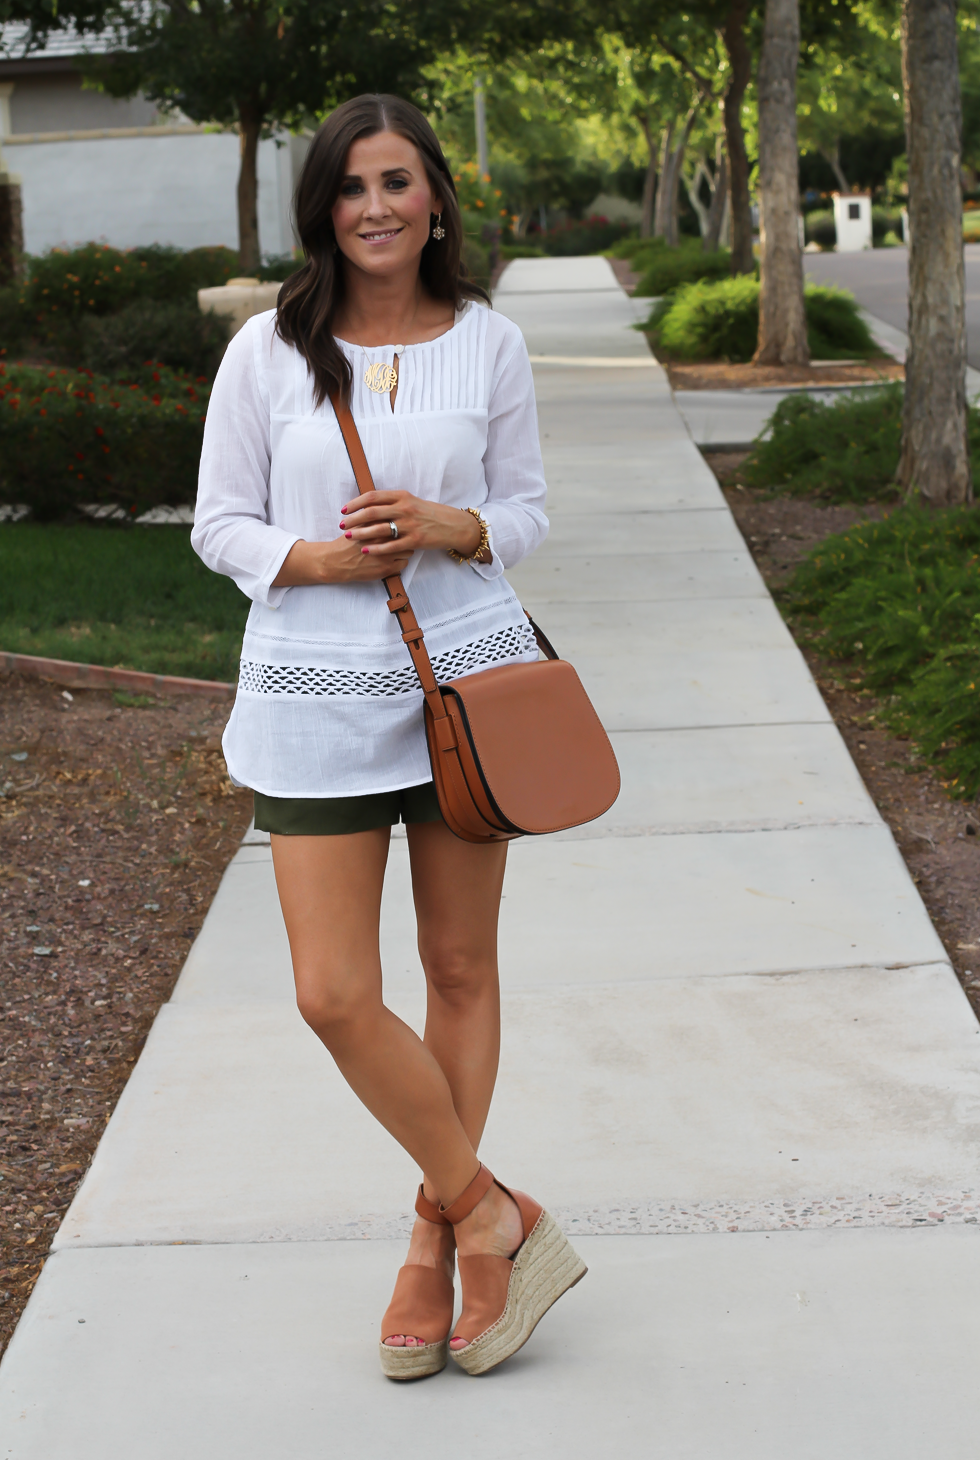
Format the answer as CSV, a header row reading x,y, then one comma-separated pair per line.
x,y
505,1298
422,1307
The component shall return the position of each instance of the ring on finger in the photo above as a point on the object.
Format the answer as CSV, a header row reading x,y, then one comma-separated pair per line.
x,y
394,528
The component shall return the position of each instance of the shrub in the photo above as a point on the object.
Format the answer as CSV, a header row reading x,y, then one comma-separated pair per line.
x,y
885,222
581,236
819,227
719,320
846,451
66,289
843,452
663,269
901,598
69,437
521,251
175,334
278,267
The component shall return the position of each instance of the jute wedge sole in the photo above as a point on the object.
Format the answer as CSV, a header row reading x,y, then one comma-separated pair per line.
x,y
414,1363
545,1267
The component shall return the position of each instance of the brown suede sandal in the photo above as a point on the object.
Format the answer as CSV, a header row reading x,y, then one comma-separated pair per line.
x,y
422,1307
504,1299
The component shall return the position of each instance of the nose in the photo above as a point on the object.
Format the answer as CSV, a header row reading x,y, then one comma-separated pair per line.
x,y
377,204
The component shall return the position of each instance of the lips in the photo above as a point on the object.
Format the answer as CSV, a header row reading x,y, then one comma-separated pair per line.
x,y
380,236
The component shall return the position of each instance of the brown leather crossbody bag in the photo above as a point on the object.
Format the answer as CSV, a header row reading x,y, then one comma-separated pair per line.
x,y
517,750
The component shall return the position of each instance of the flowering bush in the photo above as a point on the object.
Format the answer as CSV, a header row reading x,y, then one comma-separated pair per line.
x,y
70,438
477,194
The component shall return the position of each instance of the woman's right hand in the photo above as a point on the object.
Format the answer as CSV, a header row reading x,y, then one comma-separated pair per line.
x,y
308,564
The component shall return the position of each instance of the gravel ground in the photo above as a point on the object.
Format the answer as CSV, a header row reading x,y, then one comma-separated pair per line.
x,y
116,823
939,838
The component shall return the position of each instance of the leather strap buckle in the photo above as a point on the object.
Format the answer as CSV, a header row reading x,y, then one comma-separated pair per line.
x,y
412,636
398,603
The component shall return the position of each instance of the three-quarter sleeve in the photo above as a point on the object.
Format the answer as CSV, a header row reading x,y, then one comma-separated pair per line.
x,y
514,508
232,532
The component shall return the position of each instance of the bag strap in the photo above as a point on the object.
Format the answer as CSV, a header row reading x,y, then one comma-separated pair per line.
x,y
398,600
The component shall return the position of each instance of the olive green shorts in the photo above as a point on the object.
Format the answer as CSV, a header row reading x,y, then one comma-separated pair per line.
x,y
342,815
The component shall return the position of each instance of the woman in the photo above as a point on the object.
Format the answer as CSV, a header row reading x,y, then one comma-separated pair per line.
x,y
327,726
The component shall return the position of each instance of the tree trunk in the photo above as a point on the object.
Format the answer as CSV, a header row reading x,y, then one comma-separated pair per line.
x,y
832,155
11,227
782,321
692,186
649,182
250,127
740,58
672,178
660,209
934,462
719,200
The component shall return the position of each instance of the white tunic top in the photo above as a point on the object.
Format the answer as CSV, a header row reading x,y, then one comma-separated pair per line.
x,y
328,702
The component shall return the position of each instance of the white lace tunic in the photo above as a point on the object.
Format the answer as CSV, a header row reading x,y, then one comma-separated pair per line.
x,y
328,703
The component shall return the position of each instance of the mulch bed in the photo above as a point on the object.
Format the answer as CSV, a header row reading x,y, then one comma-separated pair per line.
x,y
116,823
718,375
939,838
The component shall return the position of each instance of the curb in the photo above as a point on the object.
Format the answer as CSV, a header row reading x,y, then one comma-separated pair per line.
x,y
96,676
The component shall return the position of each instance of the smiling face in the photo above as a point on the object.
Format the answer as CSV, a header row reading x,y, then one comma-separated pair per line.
x,y
382,216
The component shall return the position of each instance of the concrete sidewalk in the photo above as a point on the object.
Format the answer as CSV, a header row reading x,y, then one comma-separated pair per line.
x,y
737,1066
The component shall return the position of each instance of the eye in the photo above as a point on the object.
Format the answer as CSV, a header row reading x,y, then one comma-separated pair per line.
x,y
398,183
350,189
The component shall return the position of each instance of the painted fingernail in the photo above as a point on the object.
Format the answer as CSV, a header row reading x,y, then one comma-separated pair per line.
x,y
342,511
348,534
365,550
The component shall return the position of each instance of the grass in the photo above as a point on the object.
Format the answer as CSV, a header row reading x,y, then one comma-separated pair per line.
x,y
842,452
718,319
125,597
900,598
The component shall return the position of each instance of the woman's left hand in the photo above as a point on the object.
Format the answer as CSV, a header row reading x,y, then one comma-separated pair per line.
x,y
421,524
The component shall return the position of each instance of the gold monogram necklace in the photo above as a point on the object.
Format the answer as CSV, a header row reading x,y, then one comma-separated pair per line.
x,y
382,378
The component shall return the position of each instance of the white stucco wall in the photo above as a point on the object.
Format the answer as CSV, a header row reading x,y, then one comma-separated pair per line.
x,y
176,189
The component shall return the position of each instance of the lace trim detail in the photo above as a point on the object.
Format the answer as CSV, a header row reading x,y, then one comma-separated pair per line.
x,y
297,679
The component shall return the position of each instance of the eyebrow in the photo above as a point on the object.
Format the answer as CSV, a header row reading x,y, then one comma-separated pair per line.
x,y
389,172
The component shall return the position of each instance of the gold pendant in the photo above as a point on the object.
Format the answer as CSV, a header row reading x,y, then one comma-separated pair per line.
x,y
380,378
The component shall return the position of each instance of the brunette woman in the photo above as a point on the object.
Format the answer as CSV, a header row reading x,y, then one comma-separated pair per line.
x,y
327,727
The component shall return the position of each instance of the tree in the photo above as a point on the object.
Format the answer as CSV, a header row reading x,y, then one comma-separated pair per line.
x,y
266,65
782,320
691,39
260,64
935,460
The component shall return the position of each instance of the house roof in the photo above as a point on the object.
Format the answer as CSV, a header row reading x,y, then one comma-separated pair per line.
x,y
57,53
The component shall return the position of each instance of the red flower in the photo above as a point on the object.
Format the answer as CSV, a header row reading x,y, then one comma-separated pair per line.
x,y
156,400
99,431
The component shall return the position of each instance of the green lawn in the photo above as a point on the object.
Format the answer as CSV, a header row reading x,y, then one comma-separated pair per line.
x,y
127,597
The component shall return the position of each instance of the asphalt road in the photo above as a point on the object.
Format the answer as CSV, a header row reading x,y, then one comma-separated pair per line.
x,y
878,279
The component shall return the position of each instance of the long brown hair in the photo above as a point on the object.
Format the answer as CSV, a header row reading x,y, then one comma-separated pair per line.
x,y
309,299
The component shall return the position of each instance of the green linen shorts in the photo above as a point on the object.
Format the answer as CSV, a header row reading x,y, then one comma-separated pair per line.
x,y
342,815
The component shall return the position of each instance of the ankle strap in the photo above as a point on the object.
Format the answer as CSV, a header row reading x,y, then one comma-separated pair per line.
x,y
428,1209
467,1200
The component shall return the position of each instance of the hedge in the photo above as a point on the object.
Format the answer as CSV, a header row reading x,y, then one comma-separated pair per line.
x,y
70,438
846,450
719,320
900,599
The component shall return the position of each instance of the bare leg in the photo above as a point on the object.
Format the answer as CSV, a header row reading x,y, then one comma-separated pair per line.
x,y
330,891
457,890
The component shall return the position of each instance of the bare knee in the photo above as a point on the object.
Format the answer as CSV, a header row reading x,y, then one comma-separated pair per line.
x,y
334,1013
458,976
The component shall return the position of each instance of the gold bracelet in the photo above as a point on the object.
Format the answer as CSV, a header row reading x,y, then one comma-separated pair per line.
x,y
484,539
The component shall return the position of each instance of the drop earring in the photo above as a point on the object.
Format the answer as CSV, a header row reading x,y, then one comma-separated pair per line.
x,y
438,232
